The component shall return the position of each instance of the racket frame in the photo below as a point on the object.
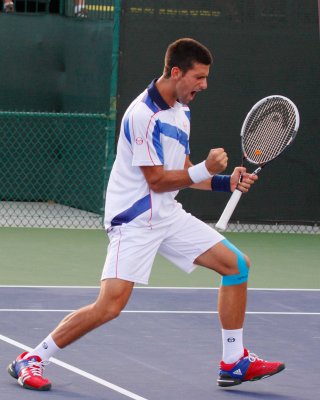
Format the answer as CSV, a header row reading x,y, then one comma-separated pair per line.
x,y
244,125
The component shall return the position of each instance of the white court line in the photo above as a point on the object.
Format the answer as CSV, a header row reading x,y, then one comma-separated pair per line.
x,y
161,311
158,288
77,371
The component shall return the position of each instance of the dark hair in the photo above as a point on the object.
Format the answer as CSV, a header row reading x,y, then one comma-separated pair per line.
x,y
183,53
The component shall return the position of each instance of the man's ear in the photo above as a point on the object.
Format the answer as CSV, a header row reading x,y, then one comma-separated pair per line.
x,y
176,73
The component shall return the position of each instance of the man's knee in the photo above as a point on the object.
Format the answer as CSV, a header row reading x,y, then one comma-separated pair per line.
x,y
113,297
106,314
242,267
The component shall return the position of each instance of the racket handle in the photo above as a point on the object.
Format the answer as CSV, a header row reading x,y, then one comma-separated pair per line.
x,y
228,211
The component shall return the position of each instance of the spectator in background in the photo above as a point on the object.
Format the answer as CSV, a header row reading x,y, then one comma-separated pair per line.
x,y
8,6
80,10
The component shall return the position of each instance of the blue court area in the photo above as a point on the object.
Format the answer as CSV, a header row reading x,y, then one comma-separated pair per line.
x,y
165,345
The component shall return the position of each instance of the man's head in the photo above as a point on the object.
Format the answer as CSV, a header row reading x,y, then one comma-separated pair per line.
x,y
187,64
184,53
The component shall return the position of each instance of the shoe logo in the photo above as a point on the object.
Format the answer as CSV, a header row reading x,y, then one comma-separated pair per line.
x,y
237,372
45,345
231,339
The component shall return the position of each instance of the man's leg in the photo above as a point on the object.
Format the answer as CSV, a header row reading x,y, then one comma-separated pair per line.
x,y
232,299
237,364
113,297
28,367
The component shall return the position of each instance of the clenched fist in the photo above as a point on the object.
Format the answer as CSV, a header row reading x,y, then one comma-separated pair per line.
x,y
216,161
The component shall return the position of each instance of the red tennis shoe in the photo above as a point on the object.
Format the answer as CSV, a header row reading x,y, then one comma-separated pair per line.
x,y
29,372
249,368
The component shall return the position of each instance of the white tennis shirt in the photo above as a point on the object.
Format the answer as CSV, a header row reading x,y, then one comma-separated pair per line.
x,y
152,133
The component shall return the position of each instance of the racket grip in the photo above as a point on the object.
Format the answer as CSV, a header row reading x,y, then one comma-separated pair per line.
x,y
228,211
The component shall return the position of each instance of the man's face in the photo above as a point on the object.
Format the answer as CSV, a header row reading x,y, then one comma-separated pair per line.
x,y
192,82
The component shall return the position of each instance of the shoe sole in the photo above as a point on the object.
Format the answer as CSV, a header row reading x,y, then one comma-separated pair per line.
x,y
226,381
12,372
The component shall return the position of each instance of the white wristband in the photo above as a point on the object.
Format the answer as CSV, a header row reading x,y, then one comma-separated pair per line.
x,y
199,172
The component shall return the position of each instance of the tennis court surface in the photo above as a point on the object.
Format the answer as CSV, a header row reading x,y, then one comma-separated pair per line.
x,y
165,345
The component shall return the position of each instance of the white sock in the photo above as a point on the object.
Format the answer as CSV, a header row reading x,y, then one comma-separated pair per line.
x,y
232,345
46,349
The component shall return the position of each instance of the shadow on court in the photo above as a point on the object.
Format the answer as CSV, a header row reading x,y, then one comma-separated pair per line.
x,y
165,345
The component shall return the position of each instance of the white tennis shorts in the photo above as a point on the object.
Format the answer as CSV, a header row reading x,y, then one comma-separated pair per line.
x,y
132,250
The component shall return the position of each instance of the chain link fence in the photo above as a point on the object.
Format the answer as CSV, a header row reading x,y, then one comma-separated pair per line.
x,y
54,169
271,227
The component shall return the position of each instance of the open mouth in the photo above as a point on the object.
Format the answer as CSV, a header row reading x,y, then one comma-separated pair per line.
x,y
193,93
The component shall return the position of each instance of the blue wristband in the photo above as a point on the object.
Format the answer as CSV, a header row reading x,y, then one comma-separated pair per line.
x,y
221,183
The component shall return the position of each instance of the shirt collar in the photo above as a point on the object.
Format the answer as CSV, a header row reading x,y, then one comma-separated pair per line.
x,y
156,96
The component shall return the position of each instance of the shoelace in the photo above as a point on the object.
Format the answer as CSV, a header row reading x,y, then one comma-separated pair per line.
x,y
253,357
37,367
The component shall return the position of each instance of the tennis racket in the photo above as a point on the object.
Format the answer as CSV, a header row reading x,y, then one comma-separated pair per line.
x,y
268,129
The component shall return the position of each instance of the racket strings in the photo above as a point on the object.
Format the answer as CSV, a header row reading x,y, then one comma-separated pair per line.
x,y
268,133
269,129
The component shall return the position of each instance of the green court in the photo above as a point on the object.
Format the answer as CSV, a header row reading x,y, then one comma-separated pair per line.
x,y
74,257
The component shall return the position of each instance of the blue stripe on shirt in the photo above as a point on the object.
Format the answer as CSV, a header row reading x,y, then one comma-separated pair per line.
x,y
177,134
157,143
127,129
138,208
170,131
148,101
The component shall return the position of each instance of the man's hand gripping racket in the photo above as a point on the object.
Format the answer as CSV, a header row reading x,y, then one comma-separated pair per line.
x,y
268,129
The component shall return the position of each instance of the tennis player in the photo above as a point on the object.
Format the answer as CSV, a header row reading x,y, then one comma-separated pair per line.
x,y
143,218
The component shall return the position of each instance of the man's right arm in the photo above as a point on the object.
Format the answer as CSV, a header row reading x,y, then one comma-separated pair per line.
x,y
161,180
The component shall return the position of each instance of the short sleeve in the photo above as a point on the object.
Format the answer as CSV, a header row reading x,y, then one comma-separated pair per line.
x,y
146,139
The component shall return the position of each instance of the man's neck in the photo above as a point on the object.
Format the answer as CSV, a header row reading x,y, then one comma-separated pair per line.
x,y
167,90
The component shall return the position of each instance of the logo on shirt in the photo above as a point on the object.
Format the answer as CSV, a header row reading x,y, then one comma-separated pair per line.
x,y
139,140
